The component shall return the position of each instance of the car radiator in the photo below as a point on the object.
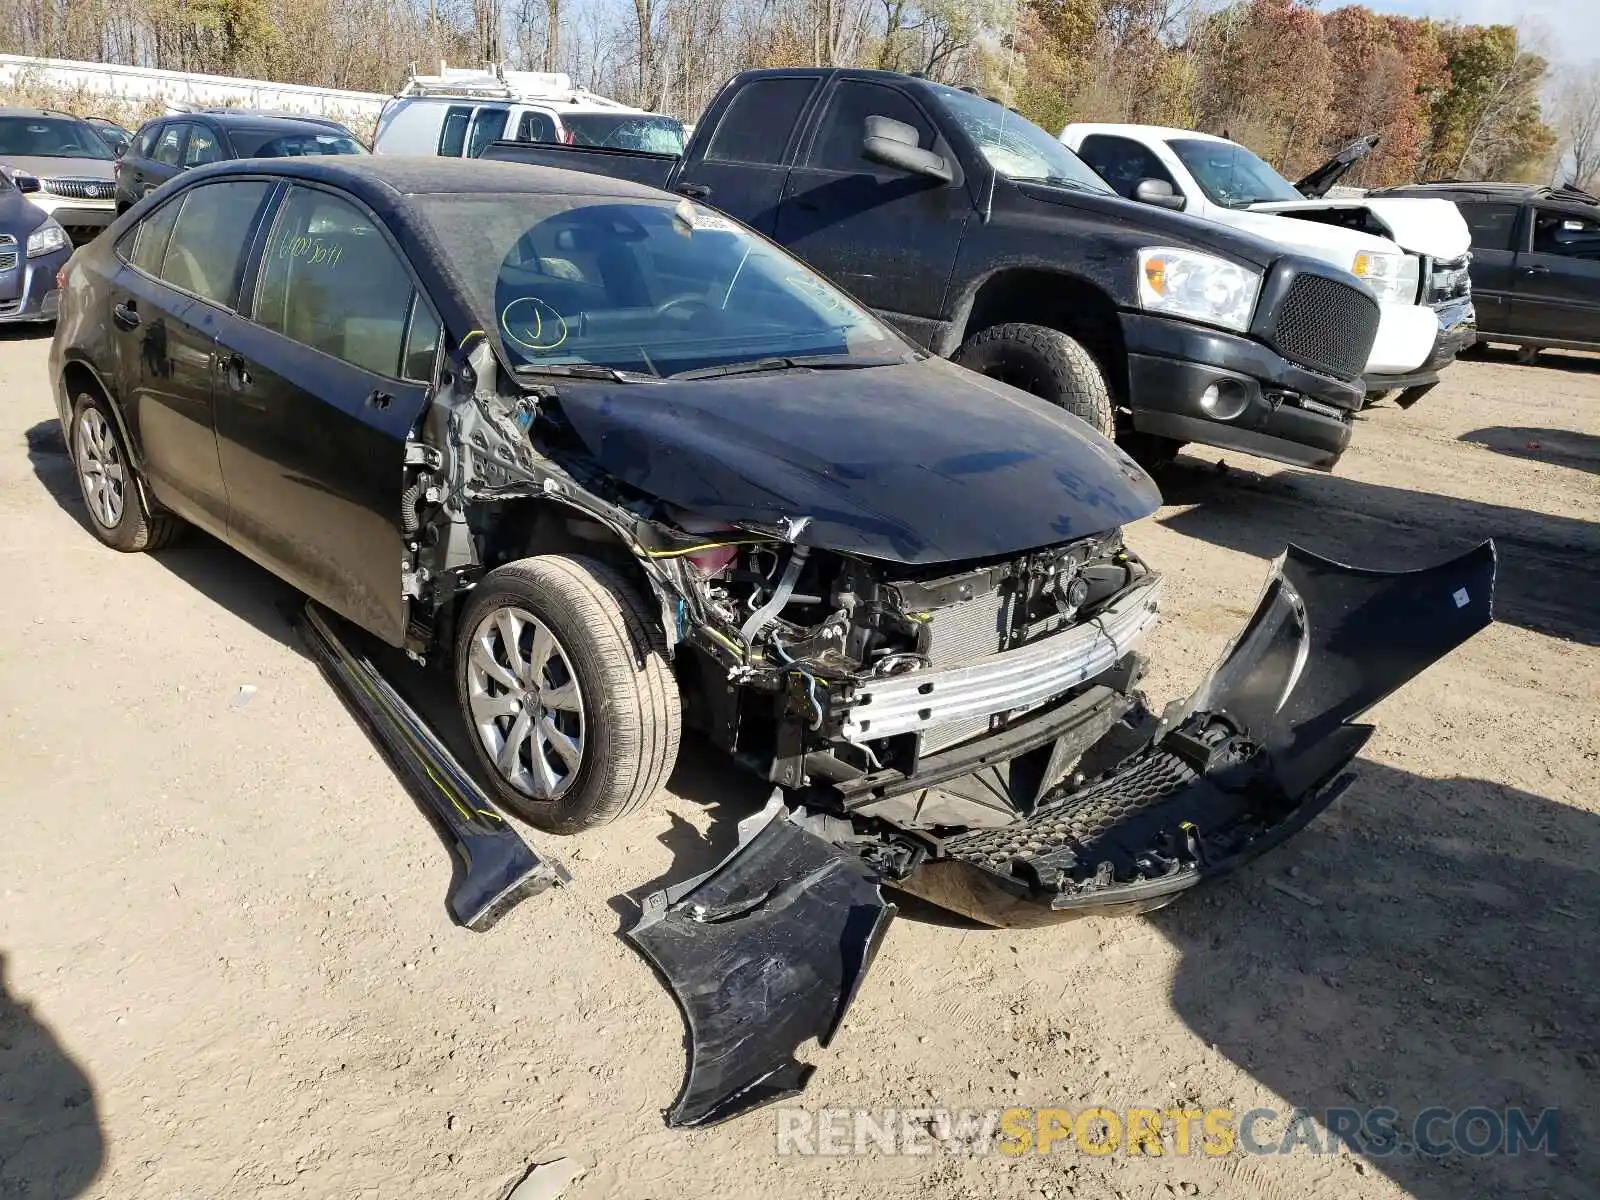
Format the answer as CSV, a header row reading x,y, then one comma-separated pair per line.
x,y
959,634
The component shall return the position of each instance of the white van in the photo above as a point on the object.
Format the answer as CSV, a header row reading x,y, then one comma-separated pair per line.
x,y
458,112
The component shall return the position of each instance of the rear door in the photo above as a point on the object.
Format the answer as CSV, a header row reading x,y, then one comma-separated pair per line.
x,y
180,280
322,380
886,235
1494,226
744,166
1558,279
166,160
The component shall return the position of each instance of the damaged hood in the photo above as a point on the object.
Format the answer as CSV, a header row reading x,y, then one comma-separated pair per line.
x,y
923,462
1422,226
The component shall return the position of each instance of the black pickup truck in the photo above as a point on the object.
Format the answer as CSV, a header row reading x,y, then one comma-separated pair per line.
x,y
985,240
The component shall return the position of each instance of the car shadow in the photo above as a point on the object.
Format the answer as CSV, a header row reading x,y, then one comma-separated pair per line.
x,y
1439,946
51,1145
1549,566
1559,447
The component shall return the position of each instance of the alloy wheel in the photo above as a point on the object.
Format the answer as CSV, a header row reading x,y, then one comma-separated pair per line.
x,y
100,468
526,707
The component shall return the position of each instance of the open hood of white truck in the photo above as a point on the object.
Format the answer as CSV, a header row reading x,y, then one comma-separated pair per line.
x,y
1431,227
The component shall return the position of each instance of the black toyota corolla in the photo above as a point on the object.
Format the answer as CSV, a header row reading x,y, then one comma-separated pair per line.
x,y
629,467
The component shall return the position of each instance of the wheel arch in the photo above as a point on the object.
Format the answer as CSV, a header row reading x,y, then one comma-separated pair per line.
x,y
1056,299
78,374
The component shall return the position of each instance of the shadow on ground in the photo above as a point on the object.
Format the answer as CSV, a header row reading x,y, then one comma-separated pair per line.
x,y
1558,360
1559,447
1454,961
51,1147
1549,570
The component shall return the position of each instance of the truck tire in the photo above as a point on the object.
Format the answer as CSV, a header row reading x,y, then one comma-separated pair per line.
x,y
1047,363
564,687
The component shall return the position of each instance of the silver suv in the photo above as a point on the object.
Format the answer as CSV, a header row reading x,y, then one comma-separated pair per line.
x,y
63,165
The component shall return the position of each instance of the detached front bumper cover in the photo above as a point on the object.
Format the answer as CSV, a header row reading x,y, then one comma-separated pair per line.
x,y
769,948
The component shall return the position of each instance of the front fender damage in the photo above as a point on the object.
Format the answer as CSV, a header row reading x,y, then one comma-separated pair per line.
x,y
769,948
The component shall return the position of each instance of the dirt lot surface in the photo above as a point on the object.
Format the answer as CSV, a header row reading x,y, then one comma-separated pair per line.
x,y
228,969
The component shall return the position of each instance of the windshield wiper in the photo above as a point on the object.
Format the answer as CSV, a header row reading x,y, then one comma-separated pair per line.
x,y
587,371
816,362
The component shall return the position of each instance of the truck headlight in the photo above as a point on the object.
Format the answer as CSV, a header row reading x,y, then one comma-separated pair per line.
x,y
47,239
1393,278
1201,287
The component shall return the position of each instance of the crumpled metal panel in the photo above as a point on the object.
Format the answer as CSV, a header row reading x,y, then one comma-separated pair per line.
x,y
762,953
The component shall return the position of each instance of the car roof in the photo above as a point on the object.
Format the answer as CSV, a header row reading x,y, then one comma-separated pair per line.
x,y
1489,189
287,122
380,177
15,111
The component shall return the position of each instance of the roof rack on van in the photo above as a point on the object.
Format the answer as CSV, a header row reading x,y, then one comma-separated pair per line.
x,y
494,82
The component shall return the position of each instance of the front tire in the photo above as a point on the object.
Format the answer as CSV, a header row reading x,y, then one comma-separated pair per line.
x,y
118,515
563,683
1046,363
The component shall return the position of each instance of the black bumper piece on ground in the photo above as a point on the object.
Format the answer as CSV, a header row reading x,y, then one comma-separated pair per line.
x,y
762,952
496,868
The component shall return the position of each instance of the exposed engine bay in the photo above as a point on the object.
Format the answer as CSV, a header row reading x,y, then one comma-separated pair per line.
x,y
970,731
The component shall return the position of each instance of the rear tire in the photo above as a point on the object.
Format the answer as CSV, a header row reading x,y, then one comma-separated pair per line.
x,y
579,726
1047,363
118,515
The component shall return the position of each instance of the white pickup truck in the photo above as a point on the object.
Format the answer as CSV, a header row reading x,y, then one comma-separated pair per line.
x,y
1412,253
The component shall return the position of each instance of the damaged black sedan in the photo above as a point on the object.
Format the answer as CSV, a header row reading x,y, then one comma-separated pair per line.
x,y
629,467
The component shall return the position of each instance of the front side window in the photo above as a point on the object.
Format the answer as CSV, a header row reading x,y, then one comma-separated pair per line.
x,y
1230,175
169,149
453,133
206,252
1492,225
628,131
838,143
1565,233
202,147
645,286
50,137
1123,163
756,126
330,280
1014,145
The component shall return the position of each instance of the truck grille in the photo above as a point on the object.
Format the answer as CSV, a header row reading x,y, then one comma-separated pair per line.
x,y
80,189
959,634
1325,325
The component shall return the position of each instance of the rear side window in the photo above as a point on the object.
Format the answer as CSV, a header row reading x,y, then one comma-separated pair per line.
x,y
331,281
209,241
146,141
1122,162
169,149
154,233
1492,225
759,120
838,143
453,133
488,126
203,147
536,127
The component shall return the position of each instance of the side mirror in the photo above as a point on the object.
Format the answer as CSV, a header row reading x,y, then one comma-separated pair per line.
x,y
894,144
1159,192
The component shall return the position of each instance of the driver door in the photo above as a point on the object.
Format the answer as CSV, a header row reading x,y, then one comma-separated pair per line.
x,y
1557,283
320,384
886,236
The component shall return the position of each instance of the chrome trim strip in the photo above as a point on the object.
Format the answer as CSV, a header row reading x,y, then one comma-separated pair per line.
x,y
921,700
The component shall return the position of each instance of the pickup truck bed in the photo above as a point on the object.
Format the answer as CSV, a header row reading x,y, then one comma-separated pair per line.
x,y
636,166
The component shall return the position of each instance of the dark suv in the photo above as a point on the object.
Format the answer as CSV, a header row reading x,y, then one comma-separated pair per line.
x,y
169,145
1535,260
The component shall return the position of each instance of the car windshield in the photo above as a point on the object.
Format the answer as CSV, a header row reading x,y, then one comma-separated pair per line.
x,y
644,286
627,131
1014,145
50,137
1230,175
274,143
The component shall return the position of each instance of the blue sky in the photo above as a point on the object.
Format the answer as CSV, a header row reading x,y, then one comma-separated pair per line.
x,y
1566,31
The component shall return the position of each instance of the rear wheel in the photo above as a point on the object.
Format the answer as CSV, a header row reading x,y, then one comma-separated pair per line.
x,y
1047,363
118,515
563,682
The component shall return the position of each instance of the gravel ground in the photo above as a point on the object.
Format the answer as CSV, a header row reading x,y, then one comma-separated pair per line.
x,y
227,969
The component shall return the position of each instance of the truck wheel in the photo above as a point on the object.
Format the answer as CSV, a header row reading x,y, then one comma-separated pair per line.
x,y
1047,363
564,684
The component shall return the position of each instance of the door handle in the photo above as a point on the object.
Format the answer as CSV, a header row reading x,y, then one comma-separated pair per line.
x,y
125,315
233,366
379,400
695,191
1534,270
